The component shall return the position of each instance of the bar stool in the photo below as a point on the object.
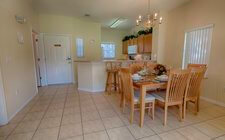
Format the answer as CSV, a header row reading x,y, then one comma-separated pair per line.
x,y
112,81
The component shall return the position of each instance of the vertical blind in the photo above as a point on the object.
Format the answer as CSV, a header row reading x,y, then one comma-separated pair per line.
x,y
197,46
108,50
80,47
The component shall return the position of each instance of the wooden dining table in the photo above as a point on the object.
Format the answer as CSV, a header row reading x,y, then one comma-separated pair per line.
x,y
147,82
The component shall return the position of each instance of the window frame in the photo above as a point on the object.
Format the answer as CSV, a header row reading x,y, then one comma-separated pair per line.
x,y
78,56
112,58
208,48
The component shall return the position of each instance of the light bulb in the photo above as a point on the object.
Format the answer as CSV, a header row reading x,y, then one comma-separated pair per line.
x,y
155,16
160,20
139,17
137,22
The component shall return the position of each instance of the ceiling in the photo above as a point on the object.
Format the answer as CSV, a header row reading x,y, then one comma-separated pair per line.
x,y
105,11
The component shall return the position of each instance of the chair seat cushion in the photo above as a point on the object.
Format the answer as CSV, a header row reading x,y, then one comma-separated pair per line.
x,y
161,96
148,97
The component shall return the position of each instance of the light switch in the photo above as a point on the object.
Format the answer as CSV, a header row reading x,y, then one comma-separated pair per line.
x,y
20,38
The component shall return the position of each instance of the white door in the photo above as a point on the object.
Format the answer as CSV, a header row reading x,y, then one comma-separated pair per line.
x,y
58,59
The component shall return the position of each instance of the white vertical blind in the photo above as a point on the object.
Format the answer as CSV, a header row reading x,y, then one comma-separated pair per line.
x,y
80,47
197,46
108,50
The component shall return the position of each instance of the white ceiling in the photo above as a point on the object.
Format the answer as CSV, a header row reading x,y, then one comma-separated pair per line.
x,y
105,11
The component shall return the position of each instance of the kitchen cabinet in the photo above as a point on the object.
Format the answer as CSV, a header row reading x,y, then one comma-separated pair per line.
x,y
140,44
135,41
148,43
143,42
125,47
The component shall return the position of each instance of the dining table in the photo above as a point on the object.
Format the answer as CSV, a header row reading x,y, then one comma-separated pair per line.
x,y
147,82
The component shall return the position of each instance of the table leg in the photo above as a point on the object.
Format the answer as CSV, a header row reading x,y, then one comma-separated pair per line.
x,y
142,104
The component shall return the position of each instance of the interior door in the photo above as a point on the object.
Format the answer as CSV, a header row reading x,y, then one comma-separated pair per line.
x,y
58,59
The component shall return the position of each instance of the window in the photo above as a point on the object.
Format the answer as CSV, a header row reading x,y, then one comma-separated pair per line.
x,y
80,47
197,46
108,50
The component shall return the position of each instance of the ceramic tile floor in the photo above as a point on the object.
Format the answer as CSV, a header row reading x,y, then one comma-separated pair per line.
x,y
61,112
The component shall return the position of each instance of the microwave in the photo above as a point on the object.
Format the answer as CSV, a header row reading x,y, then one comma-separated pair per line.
x,y
132,49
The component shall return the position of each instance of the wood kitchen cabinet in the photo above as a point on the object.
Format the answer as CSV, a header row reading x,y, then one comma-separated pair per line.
x,y
125,47
148,43
143,42
140,44
135,41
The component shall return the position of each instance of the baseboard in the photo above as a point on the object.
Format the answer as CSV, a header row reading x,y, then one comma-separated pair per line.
x,y
93,91
213,101
21,107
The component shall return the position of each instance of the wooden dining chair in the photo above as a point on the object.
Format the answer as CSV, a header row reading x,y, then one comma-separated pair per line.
x,y
136,67
193,91
174,94
131,96
204,66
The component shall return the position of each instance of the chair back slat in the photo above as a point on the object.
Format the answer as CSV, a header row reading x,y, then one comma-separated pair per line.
x,y
177,83
127,84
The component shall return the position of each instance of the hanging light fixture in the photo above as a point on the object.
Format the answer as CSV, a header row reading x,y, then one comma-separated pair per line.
x,y
150,20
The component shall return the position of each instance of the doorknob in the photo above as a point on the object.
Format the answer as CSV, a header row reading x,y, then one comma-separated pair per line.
x,y
68,58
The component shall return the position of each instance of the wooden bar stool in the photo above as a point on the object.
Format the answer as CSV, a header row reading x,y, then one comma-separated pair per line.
x,y
112,81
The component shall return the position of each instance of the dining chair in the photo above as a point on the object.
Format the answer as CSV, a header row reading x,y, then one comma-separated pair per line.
x,y
131,96
193,89
136,67
175,91
204,66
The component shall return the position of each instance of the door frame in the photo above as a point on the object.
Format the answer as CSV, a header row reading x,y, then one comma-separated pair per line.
x,y
72,64
3,108
35,57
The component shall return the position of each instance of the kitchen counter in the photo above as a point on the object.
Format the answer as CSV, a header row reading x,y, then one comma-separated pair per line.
x,y
92,74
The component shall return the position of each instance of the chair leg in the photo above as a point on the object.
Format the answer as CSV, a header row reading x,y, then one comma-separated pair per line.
x,y
123,105
107,83
180,112
184,110
198,100
153,110
165,115
132,113
196,106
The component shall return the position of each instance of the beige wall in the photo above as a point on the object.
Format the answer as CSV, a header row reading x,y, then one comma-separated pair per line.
x,y
197,13
89,31
16,60
114,36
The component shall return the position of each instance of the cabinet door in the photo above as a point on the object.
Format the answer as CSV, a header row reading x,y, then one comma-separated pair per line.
x,y
148,43
135,41
140,44
125,47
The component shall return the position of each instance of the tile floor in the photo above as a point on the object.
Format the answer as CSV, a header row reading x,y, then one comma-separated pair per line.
x,y
61,112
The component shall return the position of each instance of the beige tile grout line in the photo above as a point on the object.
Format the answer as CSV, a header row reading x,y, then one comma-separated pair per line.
x,y
80,114
120,118
44,113
62,112
22,119
100,117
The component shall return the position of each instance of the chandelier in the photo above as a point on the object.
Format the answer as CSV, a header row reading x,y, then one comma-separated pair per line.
x,y
149,20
